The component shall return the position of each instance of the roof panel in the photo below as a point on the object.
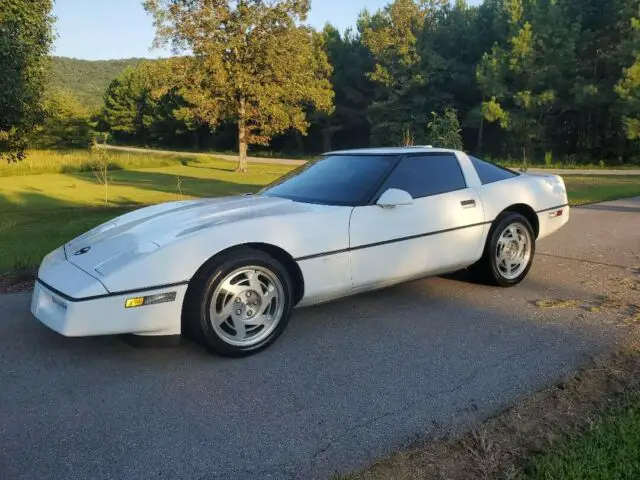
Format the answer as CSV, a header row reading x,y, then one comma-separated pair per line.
x,y
391,151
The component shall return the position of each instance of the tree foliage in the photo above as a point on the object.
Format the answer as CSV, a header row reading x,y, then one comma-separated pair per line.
x,y
251,61
628,88
444,130
25,39
87,80
523,79
67,123
141,106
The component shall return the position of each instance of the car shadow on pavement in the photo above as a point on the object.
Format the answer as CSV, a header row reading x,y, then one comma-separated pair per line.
x,y
347,382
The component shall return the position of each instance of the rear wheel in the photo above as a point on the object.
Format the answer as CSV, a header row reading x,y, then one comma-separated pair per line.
x,y
509,252
240,304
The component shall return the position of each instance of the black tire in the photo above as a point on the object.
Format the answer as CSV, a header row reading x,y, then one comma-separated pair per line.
x,y
197,322
487,269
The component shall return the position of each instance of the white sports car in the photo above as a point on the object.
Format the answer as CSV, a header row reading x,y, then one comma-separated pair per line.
x,y
228,271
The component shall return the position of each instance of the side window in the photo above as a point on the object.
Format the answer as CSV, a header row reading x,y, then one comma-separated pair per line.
x,y
489,173
425,175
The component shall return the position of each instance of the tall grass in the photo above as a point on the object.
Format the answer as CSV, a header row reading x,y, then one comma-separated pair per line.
x,y
70,161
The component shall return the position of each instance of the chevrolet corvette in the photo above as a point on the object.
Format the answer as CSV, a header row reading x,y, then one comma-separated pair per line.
x,y
228,271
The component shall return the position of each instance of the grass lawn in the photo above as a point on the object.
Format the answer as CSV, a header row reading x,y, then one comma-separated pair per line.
x,y
592,188
77,160
610,449
40,212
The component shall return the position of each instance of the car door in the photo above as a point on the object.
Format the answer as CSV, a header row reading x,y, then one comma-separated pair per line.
x,y
439,231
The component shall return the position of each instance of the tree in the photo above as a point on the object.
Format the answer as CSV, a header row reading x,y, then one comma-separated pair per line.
x,y
391,35
350,61
629,91
142,106
25,39
628,88
443,131
251,61
66,124
128,105
523,78
100,164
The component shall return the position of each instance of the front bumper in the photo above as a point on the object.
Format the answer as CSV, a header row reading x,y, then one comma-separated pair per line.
x,y
75,304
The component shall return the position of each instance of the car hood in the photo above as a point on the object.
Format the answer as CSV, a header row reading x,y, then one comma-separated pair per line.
x,y
117,242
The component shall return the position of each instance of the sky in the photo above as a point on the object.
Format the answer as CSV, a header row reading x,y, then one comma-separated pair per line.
x,y
102,30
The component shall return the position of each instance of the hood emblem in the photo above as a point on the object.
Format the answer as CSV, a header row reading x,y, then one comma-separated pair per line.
x,y
82,251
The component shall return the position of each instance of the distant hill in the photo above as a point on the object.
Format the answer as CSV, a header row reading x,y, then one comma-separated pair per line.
x,y
88,79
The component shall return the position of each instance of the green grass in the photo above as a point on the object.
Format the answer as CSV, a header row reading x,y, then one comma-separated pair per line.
x,y
567,166
25,239
591,188
40,212
72,161
608,450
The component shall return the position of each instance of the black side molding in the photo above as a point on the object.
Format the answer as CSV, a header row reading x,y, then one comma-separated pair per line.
x,y
553,208
387,242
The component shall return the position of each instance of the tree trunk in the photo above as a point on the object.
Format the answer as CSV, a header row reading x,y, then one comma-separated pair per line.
x,y
480,133
326,138
196,138
299,143
242,138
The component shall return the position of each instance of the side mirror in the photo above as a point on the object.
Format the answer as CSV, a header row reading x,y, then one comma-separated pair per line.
x,y
394,197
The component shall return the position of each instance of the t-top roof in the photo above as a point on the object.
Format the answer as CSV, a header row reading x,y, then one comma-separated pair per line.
x,y
392,150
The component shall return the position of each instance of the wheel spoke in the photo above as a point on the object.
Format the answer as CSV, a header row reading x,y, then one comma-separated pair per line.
x,y
234,289
254,281
261,320
227,310
268,297
507,265
240,328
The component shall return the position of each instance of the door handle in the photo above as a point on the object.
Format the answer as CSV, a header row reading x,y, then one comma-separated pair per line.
x,y
468,203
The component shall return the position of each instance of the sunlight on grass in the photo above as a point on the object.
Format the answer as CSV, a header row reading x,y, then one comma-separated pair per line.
x,y
71,161
132,187
40,212
26,239
592,188
610,449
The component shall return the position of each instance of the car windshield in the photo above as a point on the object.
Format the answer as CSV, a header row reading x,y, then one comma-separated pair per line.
x,y
334,180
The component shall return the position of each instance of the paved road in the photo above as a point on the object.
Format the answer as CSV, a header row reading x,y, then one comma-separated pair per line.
x,y
348,382
288,161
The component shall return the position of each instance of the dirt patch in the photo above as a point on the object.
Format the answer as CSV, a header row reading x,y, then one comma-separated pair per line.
x,y
17,282
501,446
622,297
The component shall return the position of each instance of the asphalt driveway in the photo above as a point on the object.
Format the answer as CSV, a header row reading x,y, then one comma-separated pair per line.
x,y
347,382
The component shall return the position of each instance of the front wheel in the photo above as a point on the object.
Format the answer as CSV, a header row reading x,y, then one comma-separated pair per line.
x,y
509,252
240,304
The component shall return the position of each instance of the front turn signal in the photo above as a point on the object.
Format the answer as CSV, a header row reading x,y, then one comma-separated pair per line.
x,y
134,302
